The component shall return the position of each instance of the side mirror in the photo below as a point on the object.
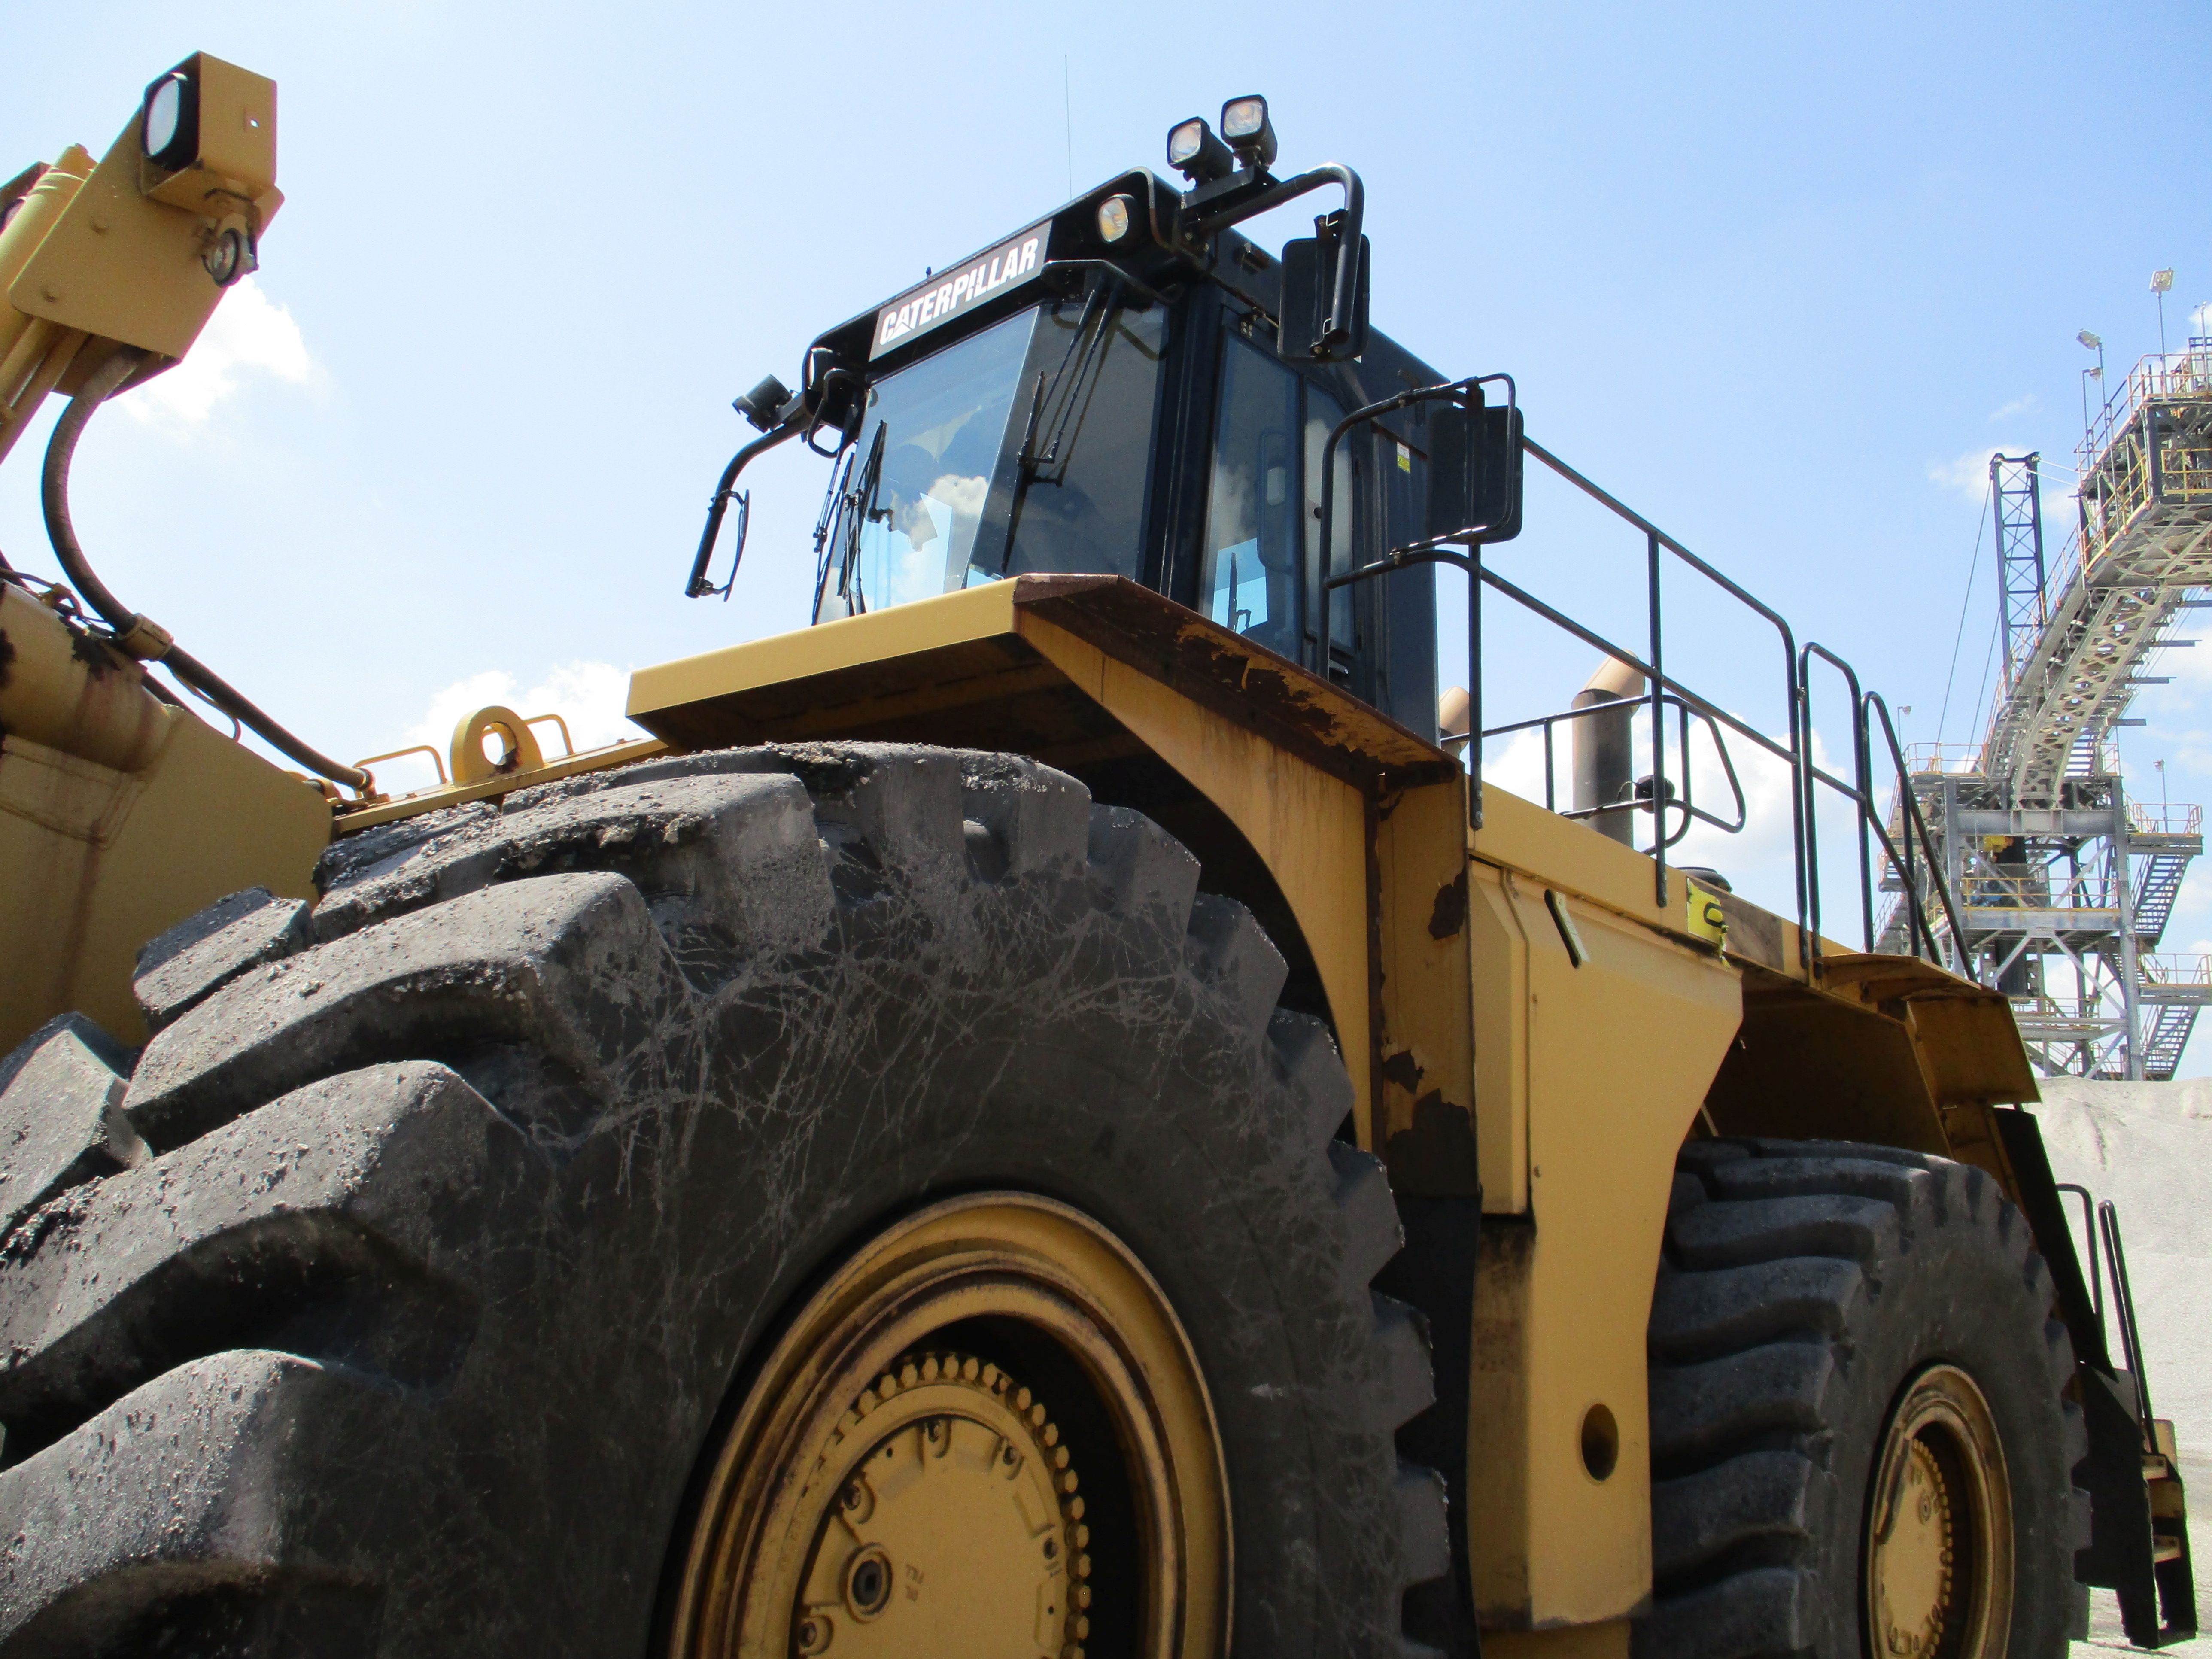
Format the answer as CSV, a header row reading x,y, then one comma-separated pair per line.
x,y
1324,305
1474,473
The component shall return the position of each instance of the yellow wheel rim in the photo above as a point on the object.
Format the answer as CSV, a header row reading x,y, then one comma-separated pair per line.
x,y
885,1489
1939,1541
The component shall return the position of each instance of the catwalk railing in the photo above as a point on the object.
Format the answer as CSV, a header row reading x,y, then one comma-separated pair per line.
x,y
1666,793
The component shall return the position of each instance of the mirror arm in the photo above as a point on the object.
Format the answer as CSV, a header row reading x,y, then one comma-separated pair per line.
x,y
1344,296
698,586
1283,190
1344,283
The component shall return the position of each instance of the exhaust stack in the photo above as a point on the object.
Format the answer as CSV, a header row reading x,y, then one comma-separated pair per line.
x,y
1605,768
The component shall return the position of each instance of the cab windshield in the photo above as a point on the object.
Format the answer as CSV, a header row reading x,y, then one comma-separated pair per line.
x,y
935,435
936,493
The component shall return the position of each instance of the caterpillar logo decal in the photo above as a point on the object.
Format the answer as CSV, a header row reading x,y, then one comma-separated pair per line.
x,y
949,294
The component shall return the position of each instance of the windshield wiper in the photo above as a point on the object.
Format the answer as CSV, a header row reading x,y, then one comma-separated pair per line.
x,y
827,520
1055,405
855,507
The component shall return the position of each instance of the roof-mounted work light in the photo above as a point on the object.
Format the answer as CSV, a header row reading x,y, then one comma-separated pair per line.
x,y
763,405
1195,152
1244,124
207,143
170,129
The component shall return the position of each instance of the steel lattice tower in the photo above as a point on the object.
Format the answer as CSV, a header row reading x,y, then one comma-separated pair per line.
x,y
2014,485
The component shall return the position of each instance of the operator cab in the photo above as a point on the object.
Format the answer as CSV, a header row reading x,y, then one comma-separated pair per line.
x,y
1115,391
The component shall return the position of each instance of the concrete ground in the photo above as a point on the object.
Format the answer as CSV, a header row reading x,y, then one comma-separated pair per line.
x,y
2147,1146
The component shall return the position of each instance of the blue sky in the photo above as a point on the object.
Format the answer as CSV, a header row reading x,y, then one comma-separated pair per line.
x,y
1778,275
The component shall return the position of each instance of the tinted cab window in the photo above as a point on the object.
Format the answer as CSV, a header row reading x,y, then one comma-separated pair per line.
x,y
1079,507
1261,572
1249,581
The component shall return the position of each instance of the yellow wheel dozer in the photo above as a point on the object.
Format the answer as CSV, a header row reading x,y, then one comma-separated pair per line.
x,y
1044,1114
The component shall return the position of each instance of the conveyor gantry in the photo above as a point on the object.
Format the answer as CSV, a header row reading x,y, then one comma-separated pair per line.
x,y
2063,886
2144,544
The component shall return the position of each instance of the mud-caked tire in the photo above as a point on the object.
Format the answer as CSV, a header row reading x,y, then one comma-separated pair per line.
x,y
399,1289
1810,1295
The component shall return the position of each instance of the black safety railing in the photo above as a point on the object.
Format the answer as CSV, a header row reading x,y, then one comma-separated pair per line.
x,y
1924,880
2100,1221
1915,861
2124,1305
1657,795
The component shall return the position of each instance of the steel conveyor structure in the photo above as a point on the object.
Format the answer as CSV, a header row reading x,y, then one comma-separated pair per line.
x,y
2063,885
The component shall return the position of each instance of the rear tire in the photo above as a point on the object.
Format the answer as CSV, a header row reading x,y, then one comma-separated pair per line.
x,y
470,1205
1839,1333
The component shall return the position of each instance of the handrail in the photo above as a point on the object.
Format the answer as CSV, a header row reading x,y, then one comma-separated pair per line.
x,y
1629,659
1861,790
2124,1304
1656,538
1428,550
1874,700
1807,775
1871,825
2089,1231
1660,801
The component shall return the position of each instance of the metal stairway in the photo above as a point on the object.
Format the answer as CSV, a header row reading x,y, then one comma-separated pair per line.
x,y
2160,880
2169,1036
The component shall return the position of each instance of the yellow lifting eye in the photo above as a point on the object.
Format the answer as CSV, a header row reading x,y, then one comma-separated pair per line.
x,y
492,742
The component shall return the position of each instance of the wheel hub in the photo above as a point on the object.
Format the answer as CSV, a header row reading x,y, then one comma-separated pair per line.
x,y
957,1526
883,1489
1939,1547
1914,1550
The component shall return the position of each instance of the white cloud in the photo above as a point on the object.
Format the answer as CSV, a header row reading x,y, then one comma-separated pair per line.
x,y
2023,404
249,333
1520,768
1969,474
588,695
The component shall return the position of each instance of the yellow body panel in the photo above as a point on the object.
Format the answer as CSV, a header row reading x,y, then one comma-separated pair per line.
x,y
1618,1051
849,642
1519,834
118,818
1425,1046
1501,1040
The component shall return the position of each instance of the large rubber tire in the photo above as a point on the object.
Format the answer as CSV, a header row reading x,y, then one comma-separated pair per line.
x,y
1802,1286
465,1197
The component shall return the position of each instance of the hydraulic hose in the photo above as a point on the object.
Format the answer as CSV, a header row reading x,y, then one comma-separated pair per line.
x,y
135,633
